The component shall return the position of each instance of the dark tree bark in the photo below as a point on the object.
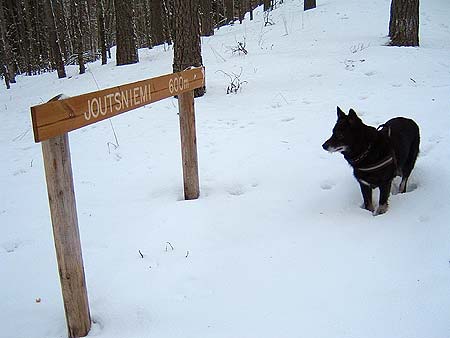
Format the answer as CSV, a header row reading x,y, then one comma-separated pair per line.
x,y
109,25
168,20
156,21
187,48
241,10
22,59
32,52
309,4
8,65
404,23
90,36
3,71
206,18
229,11
62,31
53,40
101,30
127,52
147,20
77,35
268,5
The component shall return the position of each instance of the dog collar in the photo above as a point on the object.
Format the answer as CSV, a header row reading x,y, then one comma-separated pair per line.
x,y
362,155
379,165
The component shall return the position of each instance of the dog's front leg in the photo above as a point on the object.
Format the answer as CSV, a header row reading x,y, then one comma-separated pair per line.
x,y
366,191
385,190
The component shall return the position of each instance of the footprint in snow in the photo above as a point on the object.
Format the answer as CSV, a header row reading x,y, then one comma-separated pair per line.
x,y
327,185
236,190
10,246
19,172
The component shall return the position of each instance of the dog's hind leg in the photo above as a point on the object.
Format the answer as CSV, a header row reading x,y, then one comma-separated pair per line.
x,y
385,190
367,196
402,187
409,165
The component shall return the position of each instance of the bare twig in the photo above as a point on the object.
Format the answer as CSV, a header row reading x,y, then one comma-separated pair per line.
x,y
239,47
267,19
235,81
140,253
170,245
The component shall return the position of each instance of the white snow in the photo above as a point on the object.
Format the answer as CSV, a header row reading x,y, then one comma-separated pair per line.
x,y
277,245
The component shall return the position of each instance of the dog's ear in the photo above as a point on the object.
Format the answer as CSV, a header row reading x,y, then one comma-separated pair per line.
x,y
340,113
352,117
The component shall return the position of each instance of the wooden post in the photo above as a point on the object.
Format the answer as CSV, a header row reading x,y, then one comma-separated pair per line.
x,y
188,145
61,195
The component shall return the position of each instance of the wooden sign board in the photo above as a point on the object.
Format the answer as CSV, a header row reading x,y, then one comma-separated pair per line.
x,y
58,117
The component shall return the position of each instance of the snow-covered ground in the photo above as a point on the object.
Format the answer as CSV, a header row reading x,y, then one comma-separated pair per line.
x,y
277,245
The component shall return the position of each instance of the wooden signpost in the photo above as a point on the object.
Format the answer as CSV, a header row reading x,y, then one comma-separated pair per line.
x,y
51,123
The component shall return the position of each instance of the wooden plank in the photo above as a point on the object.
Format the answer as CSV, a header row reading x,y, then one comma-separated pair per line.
x,y
188,145
58,117
61,195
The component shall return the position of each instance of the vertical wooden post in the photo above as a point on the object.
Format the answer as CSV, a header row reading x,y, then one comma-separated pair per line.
x,y
61,195
188,145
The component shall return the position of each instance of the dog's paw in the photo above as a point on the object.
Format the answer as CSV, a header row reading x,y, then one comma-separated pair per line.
x,y
368,207
381,209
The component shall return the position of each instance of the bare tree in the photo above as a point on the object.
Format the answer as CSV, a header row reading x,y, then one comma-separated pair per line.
x,y
404,23
156,22
76,23
101,30
309,4
229,11
7,66
187,48
53,40
127,51
206,18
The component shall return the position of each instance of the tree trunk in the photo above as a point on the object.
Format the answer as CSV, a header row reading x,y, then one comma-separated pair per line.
x,y
109,25
62,31
77,35
53,40
87,9
229,11
147,21
127,52
157,27
206,18
240,9
268,5
309,4
404,23
5,75
168,20
8,63
101,30
187,48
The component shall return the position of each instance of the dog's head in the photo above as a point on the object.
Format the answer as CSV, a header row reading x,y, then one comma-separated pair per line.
x,y
345,132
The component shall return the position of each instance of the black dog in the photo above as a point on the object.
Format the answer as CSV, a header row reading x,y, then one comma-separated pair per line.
x,y
376,155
